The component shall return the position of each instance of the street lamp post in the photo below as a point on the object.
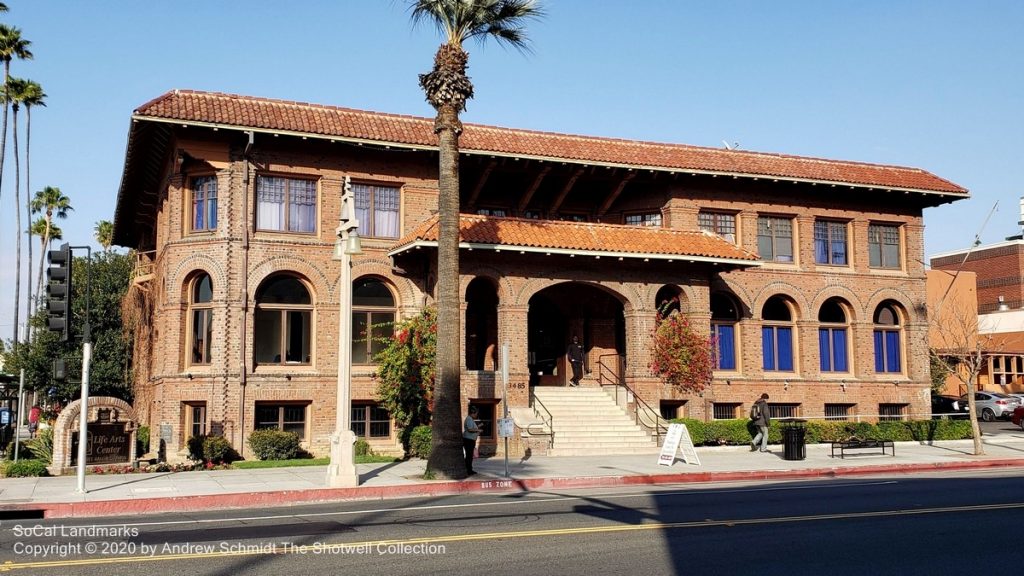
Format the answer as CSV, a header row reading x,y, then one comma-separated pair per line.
x,y
342,471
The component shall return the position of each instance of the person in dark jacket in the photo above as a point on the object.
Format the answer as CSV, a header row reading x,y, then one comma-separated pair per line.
x,y
576,357
759,416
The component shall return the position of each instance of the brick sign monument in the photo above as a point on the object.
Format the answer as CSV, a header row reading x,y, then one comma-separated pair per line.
x,y
111,429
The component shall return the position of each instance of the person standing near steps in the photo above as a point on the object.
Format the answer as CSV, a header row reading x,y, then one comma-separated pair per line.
x,y
470,432
575,357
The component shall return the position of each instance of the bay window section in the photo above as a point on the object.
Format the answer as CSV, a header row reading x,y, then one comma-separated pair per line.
x,y
377,210
775,239
204,203
373,317
286,204
830,242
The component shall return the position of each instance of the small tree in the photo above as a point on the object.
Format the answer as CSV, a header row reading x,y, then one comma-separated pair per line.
x,y
407,368
682,356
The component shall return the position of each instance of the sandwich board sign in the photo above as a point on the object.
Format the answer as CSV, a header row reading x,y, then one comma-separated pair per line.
x,y
677,440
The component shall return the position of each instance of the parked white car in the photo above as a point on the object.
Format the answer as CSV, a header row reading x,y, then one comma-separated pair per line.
x,y
992,405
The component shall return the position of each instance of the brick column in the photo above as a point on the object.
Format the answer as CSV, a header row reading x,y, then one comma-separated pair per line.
x,y
512,328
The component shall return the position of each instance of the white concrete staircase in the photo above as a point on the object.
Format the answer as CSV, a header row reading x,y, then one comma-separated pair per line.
x,y
588,422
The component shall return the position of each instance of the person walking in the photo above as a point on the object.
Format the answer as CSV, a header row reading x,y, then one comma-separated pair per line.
x,y
575,356
470,432
759,416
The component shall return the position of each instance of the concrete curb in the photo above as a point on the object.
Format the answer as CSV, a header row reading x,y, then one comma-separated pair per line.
x,y
122,507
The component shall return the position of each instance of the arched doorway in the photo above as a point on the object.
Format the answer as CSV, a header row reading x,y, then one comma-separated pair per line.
x,y
560,312
481,325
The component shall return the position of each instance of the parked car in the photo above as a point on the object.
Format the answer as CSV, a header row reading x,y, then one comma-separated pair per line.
x,y
948,407
992,405
1018,417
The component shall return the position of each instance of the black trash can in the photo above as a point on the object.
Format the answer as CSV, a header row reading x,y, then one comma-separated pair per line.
x,y
793,432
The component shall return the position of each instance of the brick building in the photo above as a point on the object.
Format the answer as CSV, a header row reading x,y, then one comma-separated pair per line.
x,y
808,272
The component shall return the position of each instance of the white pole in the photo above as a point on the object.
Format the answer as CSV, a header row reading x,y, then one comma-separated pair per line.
x,y
504,394
83,415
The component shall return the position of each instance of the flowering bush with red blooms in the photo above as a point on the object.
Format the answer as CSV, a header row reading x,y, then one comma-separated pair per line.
x,y
682,356
406,370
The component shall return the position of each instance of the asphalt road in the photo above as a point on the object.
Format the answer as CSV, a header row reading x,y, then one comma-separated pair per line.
x,y
926,524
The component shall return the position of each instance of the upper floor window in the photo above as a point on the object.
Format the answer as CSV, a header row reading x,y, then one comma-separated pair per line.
x,y
573,217
499,212
283,323
833,336
204,203
200,305
373,316
830,242
724,318
286,204
377,210
777,335
531,214
884,246
775,238
644,219
718,223
887,337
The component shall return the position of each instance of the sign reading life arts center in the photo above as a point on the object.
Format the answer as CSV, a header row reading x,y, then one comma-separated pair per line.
x,y
106,444
677,439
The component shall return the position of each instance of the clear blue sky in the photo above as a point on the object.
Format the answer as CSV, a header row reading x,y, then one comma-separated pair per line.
x,y
935,84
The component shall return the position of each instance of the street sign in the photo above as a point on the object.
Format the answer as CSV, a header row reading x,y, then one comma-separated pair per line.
x,y
506,428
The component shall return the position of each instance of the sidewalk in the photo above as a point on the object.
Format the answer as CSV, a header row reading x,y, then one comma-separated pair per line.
x,y
184,491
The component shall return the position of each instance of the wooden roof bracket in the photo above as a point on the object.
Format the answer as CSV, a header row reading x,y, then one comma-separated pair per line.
x,y
614,195
565,190
525,201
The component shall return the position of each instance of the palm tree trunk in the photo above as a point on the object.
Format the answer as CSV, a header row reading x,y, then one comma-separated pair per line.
x,y
17,230
42,257
3,138
446,456
32,302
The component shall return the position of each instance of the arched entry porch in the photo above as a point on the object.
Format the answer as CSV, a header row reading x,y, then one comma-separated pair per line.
x,y
558,313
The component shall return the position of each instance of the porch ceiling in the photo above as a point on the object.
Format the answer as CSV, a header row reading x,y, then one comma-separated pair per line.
x,y
521,235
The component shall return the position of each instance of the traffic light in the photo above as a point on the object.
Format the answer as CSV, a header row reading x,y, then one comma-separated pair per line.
x,y
58,292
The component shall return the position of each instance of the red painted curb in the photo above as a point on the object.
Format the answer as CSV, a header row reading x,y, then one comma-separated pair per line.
x,y
499,485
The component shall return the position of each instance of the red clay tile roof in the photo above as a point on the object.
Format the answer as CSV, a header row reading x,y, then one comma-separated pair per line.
x,y
343,123
584,238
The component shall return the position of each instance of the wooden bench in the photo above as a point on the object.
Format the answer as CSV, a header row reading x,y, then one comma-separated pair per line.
x,y
858,444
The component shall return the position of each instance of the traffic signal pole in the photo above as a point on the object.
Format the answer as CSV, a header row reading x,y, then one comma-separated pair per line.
x,y
83,414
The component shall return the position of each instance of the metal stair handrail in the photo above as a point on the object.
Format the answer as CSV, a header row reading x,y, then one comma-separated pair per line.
x,y
548,422
642,412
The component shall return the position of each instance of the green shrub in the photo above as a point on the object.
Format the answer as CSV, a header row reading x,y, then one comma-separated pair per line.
x,y
25,468
419,442
42,446
270,444
215,449
740,432
363,448
141,441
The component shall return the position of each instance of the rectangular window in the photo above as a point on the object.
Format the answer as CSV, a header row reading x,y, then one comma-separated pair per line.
x,y
195,418
777,348
486,420
887,351
202,333
830,242
283,336
783,410
290,417
838,411
1007,369
371,332
672,409
370,421
725,346
531,214
499,212
377,210
286,204
890,412
724,410
883,246
775,238
204,203
718,223
571,217
832,348
645,219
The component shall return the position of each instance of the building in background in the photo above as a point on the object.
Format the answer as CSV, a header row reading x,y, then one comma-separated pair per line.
x,y
807,273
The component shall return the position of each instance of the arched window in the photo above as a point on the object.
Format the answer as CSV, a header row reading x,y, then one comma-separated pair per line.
x,y
284,313
668,300
481,325
200,307
777,335
724,317
373,317
887,339
833,336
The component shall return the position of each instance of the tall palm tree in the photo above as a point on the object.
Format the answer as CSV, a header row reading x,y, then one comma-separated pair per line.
x,y
104,233
12,92
51,202
12,46
39,229
32,95
447,88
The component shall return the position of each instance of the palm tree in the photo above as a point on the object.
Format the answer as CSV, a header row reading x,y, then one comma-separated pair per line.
x,y
32,95
51,202
12,92
447,88
39,229
12,46
104,233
